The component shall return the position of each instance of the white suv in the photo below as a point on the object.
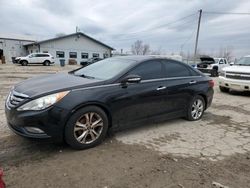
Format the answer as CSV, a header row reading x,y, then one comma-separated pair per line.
x,y
36,58
236,77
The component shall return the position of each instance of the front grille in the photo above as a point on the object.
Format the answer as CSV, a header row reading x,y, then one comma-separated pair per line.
x,y
238,76
202,65
15,98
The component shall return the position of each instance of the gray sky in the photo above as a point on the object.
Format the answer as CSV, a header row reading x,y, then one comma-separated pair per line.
x,y
120,22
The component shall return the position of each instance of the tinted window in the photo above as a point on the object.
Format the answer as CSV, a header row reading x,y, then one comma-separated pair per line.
x,y
175,69
148,70
42,55
72,55
95,55
59,54
85,55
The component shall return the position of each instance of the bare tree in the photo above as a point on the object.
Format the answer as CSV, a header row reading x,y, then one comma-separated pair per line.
x,y
138,48
226,52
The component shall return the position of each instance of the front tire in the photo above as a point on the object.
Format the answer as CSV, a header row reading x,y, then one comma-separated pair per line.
x,y
224,89
24,63
215,72
86,128
196,108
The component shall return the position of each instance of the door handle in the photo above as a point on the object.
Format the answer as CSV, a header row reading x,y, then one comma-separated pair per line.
x,y
192,82
161,88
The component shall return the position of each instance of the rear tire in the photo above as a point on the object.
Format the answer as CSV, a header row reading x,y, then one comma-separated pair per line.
x,y
224,89
196,108
86,128
24,63
46,63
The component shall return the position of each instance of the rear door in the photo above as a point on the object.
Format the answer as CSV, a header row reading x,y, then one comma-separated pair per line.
x,y
181,81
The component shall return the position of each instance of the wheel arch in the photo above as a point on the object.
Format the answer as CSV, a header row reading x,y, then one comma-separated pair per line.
x,y
204,97
216,67
97,104
46,61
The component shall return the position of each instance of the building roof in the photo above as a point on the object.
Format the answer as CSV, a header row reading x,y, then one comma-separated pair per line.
x,y
18,37
65,36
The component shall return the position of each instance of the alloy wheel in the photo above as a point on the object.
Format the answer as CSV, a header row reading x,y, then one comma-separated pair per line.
x,y
197,109
88,128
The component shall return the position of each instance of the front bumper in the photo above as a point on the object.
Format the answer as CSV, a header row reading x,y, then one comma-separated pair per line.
x,y
51,121
238,85
207,71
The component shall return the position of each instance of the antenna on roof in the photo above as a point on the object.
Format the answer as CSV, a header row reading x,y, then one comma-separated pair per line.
x,y
77,29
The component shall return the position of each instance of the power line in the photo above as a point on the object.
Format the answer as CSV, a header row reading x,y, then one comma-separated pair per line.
x,y
160,26
149,35
233,13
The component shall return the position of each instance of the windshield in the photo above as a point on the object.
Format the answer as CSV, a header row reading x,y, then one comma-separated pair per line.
x,y
216,60
104,69
243,61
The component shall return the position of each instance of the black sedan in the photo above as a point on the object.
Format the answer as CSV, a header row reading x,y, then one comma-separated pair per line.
x,y
80,107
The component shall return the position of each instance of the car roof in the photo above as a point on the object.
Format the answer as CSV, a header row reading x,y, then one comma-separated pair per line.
x,y
139,58
247,56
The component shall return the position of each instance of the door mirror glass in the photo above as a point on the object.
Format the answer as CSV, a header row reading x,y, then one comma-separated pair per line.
x,y
131,79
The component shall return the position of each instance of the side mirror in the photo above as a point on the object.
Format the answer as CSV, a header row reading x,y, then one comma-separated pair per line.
x,y
231,64
131,79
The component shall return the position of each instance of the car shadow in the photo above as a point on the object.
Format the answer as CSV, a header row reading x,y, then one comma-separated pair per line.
x,y
238,93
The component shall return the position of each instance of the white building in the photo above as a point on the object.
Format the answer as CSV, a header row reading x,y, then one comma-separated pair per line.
x,y
11,47
76,46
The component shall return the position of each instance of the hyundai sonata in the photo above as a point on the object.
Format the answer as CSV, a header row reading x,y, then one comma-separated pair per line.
x,y
79,107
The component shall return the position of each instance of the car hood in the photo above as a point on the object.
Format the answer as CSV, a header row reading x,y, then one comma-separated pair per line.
x,y
237,68
52,83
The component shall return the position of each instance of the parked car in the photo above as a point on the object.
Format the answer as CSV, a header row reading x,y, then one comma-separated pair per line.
x,y
236,77
110,94
212,66
90,61
36,58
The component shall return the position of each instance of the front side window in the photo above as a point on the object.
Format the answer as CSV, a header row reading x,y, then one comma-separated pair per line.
x,y
60,54
85,55
148,70
221,61
95,55
72,55
175,69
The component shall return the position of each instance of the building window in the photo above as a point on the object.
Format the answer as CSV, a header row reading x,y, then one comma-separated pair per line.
x,y
72,55
105,55
59,54
95,55
85,55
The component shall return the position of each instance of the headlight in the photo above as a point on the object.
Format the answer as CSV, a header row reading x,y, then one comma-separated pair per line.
x,y
222,73
43,102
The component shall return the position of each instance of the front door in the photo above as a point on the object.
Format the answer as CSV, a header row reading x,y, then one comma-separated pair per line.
x,y
142,100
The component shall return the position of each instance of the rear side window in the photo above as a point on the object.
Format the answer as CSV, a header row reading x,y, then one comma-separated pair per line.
x,y
149,70
175,69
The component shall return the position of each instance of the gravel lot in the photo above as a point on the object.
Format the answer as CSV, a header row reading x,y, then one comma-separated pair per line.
x,y
177,153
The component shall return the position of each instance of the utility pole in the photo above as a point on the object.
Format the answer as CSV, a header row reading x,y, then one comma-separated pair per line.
x,y
197,34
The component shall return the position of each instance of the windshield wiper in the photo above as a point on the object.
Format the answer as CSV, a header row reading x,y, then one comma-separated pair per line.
x,y
86,76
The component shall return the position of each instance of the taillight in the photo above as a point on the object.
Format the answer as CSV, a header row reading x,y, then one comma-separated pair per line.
x,y
211,83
